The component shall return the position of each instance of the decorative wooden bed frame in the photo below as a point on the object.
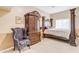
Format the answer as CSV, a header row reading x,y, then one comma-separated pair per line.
x,y
72,35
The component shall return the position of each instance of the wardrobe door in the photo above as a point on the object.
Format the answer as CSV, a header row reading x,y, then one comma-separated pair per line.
x,y
27,24
32,24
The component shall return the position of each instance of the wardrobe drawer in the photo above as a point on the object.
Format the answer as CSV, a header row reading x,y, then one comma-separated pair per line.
x,y
34,37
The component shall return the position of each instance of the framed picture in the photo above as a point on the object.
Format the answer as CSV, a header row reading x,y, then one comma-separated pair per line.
x,y
18,20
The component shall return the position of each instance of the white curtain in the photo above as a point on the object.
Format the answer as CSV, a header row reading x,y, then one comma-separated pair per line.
x,y
63,24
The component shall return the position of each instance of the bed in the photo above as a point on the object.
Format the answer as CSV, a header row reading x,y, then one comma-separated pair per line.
x,y
63,34
58,32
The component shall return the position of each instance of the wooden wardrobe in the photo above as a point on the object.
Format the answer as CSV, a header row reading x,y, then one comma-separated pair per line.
x,y
32,26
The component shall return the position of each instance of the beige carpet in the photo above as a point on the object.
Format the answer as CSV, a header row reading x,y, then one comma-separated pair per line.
x,y
50,46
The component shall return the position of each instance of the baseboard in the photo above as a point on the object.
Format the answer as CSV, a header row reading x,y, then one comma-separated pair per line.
x,y
6,50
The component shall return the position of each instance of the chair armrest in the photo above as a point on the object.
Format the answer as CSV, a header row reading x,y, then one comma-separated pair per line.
x,y
16,39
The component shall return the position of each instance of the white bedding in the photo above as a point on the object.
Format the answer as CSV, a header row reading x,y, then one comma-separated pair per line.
x,y
58,32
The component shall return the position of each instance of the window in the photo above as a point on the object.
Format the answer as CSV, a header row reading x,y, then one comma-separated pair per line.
x,y
63,24
47,23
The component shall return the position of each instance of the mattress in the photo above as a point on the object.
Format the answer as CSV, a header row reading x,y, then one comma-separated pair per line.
x,y
58,32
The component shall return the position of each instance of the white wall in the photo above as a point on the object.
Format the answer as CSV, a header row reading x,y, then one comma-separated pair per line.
x,y
77,18
66,15
60,15
8,21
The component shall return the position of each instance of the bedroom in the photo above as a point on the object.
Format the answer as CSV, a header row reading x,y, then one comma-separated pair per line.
x,y
8,21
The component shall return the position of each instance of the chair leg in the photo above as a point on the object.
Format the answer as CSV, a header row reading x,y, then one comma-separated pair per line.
x,y
19,49
28,46
14,49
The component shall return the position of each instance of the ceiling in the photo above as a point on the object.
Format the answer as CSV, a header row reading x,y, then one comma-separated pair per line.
x,y
48,9
4,10
54,9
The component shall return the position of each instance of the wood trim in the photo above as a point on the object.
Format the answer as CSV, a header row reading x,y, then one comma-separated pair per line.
x,y
6,50
56,37
6,41
43,21
72,36
33,13
51,22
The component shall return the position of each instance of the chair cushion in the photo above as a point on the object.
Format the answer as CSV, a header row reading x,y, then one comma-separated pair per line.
x,y
24,43
18,33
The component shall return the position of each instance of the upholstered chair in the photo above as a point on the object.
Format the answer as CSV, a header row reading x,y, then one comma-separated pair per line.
x,y
20,38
